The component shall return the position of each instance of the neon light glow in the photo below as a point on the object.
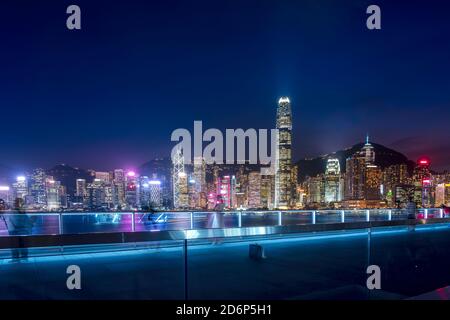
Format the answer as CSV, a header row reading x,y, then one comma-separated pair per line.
x,y
4,188
131,173
21,178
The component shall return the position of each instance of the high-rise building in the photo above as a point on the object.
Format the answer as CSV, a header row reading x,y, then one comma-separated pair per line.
x,y
144,192
104,176
132,190
267,191
179,181
368,152
96,194
20,188
119,188
37,187
423,183
283,166
6,196
155,193
53,191
442,194
372,183
81,188
254,189
354,177
393,176
332,181
224,190
315,190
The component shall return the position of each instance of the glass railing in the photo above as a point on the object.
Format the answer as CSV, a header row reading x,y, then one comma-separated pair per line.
x,y
413,259
98,222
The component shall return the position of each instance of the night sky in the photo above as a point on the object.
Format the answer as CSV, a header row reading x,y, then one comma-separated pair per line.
x,y
110,95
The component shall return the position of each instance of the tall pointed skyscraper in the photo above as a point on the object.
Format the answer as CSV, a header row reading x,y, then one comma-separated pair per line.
x,y
369,152
283,177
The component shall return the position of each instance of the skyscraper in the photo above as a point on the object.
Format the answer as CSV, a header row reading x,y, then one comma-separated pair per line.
x,y
179,180
37,188
254,189
20,187
354,177
283,177
332,180
368,152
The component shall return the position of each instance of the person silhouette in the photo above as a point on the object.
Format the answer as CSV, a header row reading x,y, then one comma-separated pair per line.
x,y
19,224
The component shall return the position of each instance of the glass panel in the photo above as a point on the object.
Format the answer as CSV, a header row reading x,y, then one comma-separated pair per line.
x,y
355,215
413,260
96,222
296,217
152,271
259,218
325,216
162,221
311,266
380,215
29,223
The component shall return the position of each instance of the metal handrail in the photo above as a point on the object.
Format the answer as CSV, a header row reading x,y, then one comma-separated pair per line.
x,y
61,240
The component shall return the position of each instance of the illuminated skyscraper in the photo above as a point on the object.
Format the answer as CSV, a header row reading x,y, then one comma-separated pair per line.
x,y
332,181
224,190
199,180
155,193
355,177
104,176
81,188
442,194
53,190
283,176
5,195
132,190
37,187
368,152
119,188
267,191
254,189
179,180
423,183
372,183
20,187
145,192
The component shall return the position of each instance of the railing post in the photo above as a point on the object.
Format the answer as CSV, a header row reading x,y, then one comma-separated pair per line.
x,y
185,265
279,218
343,216
60,223
133,222
441,213
367,215
192,220
389,215
240,218
426,214
314,217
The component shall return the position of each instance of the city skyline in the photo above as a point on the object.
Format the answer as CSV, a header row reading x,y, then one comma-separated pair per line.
x,y
88,97
374,177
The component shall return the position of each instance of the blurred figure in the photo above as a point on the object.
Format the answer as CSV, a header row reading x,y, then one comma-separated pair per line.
x,y
215,219
19,224
446,211
411,209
